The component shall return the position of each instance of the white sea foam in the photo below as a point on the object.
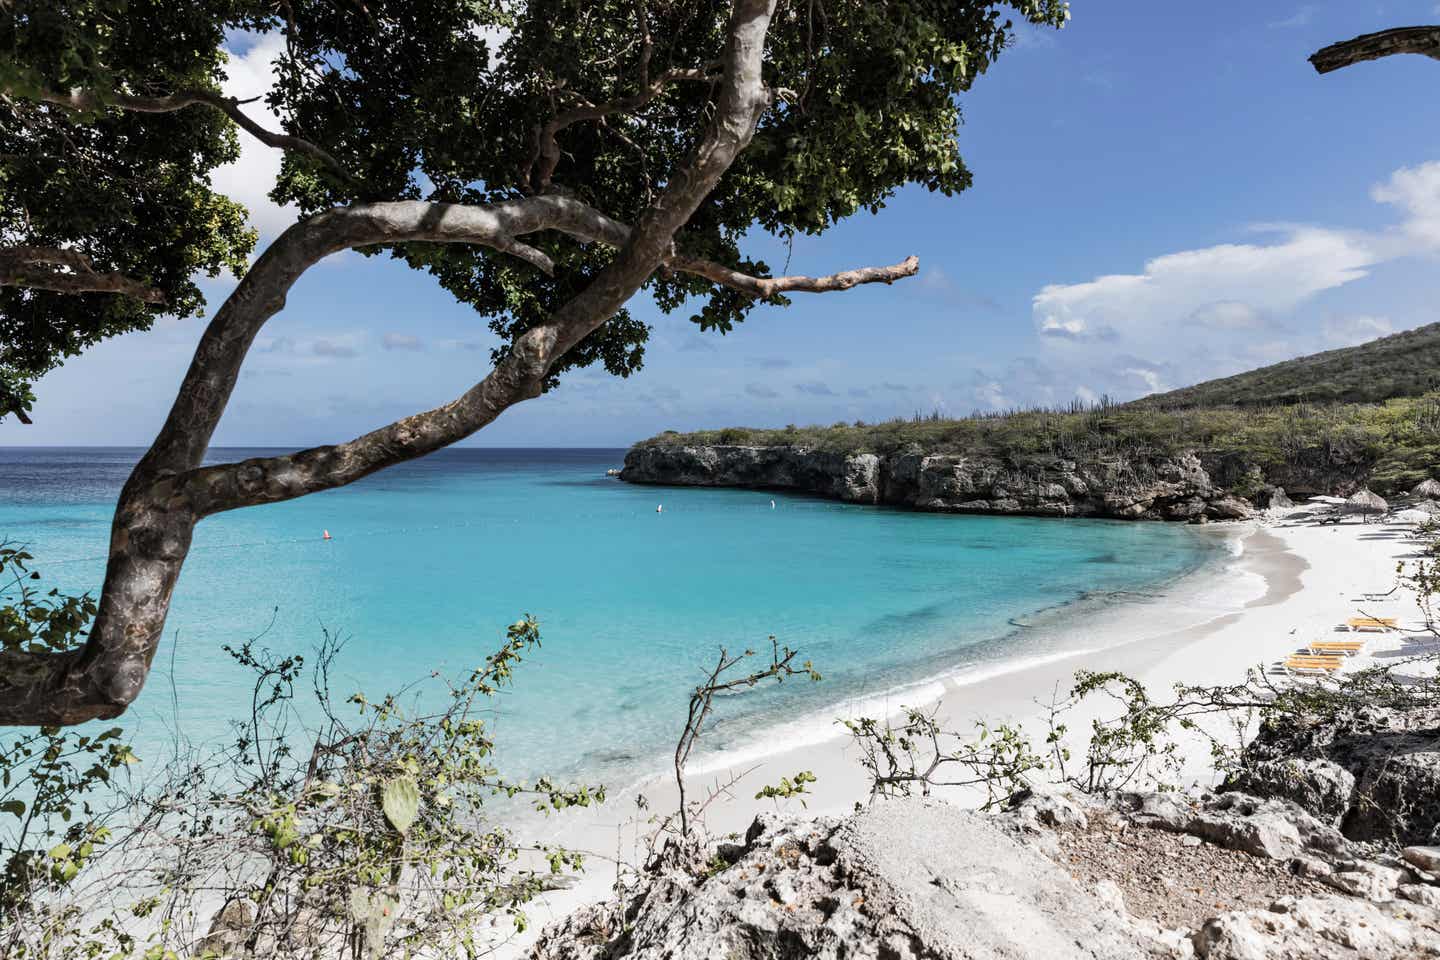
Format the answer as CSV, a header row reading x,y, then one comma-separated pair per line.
x,y
1216,589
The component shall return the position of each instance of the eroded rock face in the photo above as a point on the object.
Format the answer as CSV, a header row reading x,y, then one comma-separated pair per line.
x,y
1268,828
1168,488
910,879
1328,928
904,879
1372,772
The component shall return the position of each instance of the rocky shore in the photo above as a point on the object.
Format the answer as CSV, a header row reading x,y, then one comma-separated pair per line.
x,y
1157,488
1061,876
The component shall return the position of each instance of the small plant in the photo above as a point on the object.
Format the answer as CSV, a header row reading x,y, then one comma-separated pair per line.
x,y
918,754
55,808
788,788
780,668
364,837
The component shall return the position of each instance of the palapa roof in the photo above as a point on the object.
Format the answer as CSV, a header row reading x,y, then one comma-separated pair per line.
x,y
1363,501
1430,489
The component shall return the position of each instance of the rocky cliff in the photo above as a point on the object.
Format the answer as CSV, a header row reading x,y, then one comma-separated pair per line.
x,y
1131,876
1158,488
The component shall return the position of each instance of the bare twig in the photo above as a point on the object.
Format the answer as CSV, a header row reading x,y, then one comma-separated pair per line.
x,y
90,100
779,668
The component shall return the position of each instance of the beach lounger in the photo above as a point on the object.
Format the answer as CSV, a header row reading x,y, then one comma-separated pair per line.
x,y
1372,597
1331,647
1301,663
1371,623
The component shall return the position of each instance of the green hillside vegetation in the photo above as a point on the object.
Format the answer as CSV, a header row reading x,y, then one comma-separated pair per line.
x,y
1367,413
1397,442
1403,365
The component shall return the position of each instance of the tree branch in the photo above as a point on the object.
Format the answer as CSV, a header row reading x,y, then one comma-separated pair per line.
x,y
763,288
1372,46
545,154
168,493
596,227
67,271
89,100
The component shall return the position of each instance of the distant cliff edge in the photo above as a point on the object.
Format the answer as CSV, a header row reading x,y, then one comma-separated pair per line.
x,y
1160,488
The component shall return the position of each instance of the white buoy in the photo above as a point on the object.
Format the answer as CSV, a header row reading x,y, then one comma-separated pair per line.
x,y
772,504
659,508
325,535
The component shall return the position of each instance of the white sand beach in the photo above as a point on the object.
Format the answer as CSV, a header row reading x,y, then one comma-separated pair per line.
x,y
1291,582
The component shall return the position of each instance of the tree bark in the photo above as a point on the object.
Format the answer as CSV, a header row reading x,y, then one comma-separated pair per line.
x,y
167,494
35,268
169,491
1372,46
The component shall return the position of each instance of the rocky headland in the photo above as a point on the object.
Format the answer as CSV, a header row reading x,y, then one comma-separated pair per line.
x,y
1176,487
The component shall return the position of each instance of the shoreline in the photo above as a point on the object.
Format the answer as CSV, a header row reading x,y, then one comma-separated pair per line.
x,y
1289,582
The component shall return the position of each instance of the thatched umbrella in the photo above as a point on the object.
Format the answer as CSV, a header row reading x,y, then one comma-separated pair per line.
x,y
1427,489
1364,502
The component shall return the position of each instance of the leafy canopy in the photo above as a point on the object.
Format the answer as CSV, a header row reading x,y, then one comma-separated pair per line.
x,y
128,190
445,100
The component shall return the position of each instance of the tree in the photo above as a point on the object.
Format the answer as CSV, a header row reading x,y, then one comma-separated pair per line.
x,y
545,161
106,215
1372,46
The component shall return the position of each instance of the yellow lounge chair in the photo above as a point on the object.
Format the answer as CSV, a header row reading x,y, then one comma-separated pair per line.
x,y
1348,647
1301,663
1371,623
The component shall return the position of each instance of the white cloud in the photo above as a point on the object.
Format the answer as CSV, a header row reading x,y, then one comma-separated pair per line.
x,y
1347,331
1416,192
937,280
251,177
1150,378
401,341
1226,315
989,395
1216,310
1300,18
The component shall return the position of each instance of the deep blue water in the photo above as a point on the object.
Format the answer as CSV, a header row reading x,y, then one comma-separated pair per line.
x,y
431,559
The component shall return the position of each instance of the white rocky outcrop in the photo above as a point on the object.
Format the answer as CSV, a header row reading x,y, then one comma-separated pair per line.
x,y
903,880
1156,488
910,879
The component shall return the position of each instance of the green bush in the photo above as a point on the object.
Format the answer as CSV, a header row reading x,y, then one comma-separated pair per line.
x,y
1396,443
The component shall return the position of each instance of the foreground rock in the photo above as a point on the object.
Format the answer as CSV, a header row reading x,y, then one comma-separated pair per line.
x,y
1226,877
1372,772
904,879
1330,929
1154,488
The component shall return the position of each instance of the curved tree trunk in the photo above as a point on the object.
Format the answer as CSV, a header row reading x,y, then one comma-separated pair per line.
x,y
169,492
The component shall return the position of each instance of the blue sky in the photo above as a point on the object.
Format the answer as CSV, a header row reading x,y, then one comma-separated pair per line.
x,y
1163,193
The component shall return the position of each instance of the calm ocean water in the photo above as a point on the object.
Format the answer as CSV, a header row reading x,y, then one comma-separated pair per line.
x,y
431,559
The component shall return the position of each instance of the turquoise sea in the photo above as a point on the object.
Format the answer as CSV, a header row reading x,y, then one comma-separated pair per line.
x,y
430,560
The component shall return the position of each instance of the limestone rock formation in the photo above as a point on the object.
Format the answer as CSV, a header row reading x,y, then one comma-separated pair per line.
x,y
1060,875
1333,928
1372,772
904,879
1159,488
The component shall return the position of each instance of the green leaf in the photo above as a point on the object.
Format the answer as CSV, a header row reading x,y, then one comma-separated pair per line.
x,y
13,806
400,799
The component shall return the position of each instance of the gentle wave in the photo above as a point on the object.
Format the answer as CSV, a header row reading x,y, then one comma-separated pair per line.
x,y
1196,591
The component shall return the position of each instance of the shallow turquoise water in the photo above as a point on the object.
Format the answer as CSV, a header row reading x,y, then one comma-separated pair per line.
x,y
430,560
